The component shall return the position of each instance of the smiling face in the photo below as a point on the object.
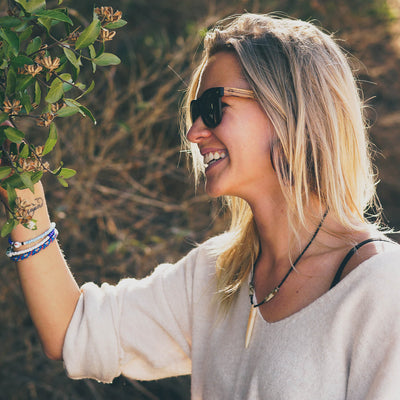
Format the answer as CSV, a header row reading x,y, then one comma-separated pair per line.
x,y
236,152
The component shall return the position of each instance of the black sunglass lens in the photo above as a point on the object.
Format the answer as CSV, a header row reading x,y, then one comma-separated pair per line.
x,y
194,110
208,105
211,108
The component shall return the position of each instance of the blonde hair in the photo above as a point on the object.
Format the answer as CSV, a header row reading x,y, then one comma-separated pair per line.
x,y
304,83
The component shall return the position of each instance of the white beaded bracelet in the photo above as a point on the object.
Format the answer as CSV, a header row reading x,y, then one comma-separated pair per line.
x,y
52,233
19,244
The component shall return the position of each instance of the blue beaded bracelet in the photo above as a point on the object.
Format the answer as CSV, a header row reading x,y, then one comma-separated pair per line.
x,y
35,239
11,253
30,252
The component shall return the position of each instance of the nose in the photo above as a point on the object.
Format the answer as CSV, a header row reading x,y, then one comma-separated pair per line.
x,y
198,131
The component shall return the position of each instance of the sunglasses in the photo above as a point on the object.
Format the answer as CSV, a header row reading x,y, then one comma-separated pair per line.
x,y
208,105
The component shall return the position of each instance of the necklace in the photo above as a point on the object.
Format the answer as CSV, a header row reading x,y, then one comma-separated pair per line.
x,y
272,294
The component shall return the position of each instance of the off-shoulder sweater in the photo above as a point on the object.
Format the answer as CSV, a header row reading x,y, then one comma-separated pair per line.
x,y
344,345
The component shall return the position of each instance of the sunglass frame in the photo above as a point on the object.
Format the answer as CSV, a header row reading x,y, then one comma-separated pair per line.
x,y
212,116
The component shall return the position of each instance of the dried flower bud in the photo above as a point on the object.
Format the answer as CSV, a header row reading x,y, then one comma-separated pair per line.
x,y
116,16
105,34
45,119
107,14
22,213
39,56
33,69
33,163
73,36
39,150
55,107
12,108
50,64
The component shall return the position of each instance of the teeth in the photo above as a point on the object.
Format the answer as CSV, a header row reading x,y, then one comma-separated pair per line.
x,y
209,157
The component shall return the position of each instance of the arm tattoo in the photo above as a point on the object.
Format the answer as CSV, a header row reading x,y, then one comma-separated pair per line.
x,y
37,203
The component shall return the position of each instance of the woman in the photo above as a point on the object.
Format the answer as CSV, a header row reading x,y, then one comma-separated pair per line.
x,y
299,299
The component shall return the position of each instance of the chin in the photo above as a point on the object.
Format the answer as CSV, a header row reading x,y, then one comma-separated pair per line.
x,y
213,191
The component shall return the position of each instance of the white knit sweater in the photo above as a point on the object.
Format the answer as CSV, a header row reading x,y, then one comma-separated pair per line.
x,y
344,345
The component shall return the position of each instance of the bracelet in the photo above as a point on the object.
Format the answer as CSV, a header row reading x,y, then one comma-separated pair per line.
x,y
33,251
19,244
10,253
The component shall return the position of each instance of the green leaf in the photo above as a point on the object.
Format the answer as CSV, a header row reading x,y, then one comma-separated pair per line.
x,y
23,150
24,29
26,102
57,88
67,173
80,85
31,6
67,86
20,61
62,181
51,140
13,148
3,117
88,113
11,82
71,57
14,181
107,59
4,64
25,34
89,35
34,45
11,194
23,81
46,22
12,39
9,22
4,172
116,24
92,52
67,111
89,89
26,179
13,134
31,224
54,14
82,109
38,93
56,91
8,227
36,176
101,50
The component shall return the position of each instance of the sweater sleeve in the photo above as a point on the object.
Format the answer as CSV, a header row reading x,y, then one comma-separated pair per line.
x,y
140,328
375,361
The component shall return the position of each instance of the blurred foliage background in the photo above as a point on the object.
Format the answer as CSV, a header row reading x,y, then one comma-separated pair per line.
x,y
132,203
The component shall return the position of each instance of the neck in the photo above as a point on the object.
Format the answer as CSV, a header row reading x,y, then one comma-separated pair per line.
x,y
273,229
276,238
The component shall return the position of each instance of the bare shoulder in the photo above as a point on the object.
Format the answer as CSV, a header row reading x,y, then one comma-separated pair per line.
x,y
369,251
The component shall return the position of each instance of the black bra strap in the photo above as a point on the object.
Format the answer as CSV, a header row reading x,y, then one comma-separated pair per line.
x,y
339,272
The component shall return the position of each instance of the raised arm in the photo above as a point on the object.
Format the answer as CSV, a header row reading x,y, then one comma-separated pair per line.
x,y
50,290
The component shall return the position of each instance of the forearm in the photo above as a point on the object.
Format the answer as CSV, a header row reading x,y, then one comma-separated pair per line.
x,y
50,290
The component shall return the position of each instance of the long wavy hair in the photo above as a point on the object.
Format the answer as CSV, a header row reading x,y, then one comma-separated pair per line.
x,y
303,81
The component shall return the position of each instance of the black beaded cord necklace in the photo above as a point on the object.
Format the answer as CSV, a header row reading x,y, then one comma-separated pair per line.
x,y
274,291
